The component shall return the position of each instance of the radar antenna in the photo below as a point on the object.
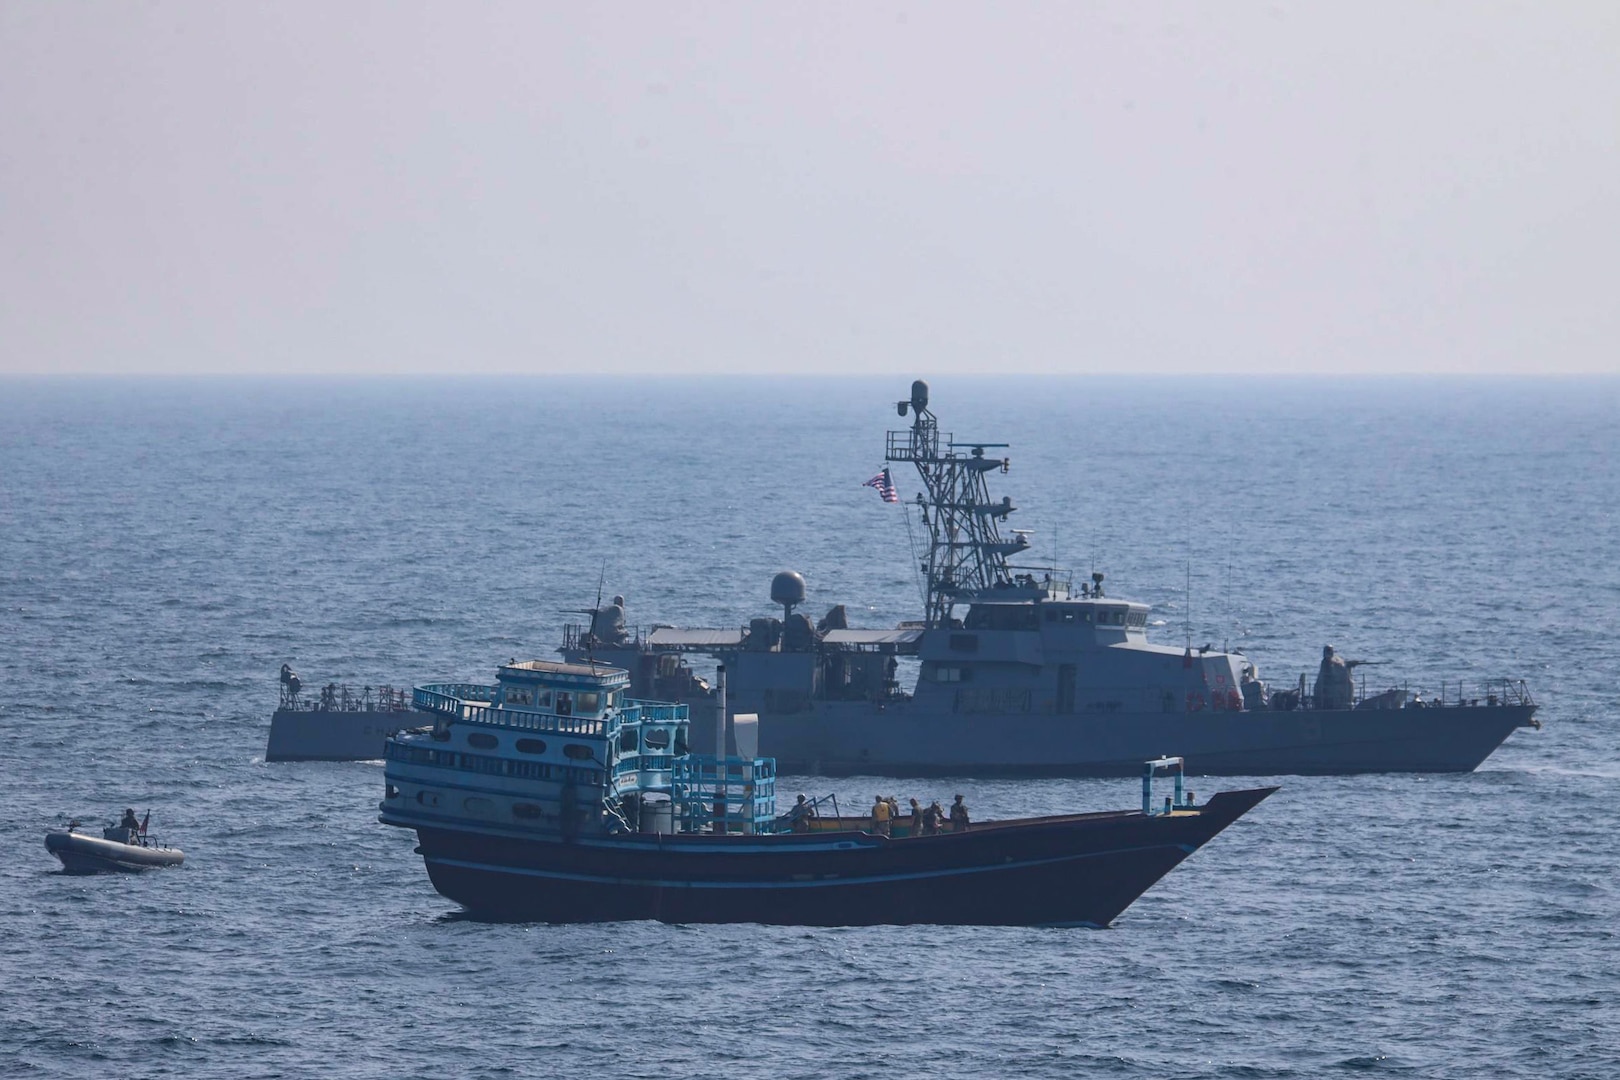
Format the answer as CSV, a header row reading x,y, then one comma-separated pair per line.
x,y
967,557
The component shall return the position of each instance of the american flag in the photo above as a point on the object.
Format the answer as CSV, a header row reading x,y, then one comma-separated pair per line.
x,y
885,486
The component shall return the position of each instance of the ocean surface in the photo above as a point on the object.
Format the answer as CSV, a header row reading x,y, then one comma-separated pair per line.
x,y
166,545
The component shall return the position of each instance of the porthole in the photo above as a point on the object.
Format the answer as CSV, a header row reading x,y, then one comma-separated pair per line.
x,y
531,746
656,738
481,741
579,752
527,811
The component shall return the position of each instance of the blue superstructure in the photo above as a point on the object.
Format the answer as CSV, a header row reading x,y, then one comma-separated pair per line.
x,y
559,749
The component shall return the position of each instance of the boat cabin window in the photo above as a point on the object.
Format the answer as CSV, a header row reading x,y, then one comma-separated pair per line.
x,y
1002,617
482,741
657,739
587,703
579,752
1136,618
542,698
627,740
949,673
565,704
516,696
1067,615
531,746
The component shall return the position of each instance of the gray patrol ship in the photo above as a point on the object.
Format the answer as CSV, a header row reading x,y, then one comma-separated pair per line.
x,y
1022,673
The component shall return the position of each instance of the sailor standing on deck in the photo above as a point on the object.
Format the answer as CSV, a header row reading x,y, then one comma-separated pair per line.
x,y
959,815
880,816
803,811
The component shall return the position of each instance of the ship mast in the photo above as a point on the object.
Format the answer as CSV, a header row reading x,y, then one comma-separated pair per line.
x,y
967,558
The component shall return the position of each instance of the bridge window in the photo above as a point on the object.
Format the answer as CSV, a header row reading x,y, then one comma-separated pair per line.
x,y
587,702
514,696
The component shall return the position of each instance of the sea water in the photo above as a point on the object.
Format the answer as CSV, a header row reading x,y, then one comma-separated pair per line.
x,y
166,545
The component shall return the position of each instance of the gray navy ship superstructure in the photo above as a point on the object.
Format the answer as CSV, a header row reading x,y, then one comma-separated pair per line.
x,y
1022,673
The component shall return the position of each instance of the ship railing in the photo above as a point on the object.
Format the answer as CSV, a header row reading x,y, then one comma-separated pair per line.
x,y
1055,583
725,795
1488,693
811,809
658,712
578,637
468,702
920,442
448,697
339,697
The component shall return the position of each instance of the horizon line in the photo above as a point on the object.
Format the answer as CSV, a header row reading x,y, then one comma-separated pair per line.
x,y
473,376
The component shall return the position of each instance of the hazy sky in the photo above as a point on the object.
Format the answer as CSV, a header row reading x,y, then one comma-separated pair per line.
x,y
919,188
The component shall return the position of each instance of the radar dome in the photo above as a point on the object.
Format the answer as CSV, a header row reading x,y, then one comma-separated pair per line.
x,y
919,395
787,588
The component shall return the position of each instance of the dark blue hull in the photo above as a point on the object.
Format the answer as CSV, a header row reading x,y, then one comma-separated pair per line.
x,y
1070,871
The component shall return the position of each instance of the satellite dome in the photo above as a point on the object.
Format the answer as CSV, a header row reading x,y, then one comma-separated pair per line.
x,y
787,588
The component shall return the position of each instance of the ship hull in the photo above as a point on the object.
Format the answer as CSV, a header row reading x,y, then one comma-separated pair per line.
x,y
333,735
82,854
901,739
1071,871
